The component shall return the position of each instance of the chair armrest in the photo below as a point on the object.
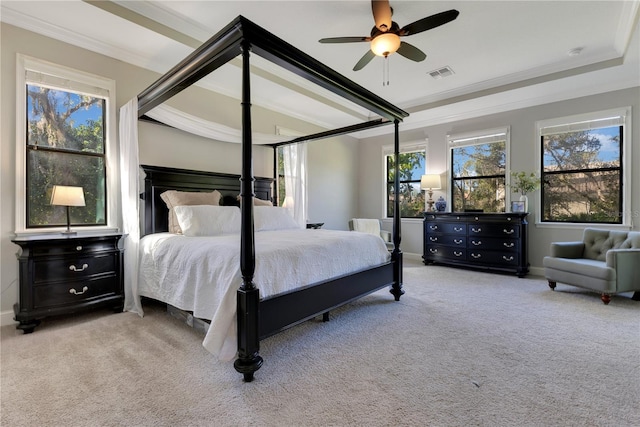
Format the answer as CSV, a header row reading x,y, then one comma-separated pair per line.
x,y
626,262
386,235
567,249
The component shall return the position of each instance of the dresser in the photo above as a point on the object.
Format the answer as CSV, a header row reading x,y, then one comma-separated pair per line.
x,y
489,241
62,274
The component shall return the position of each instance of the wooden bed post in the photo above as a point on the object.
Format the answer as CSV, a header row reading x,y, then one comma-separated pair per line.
x,y
248,297
396,290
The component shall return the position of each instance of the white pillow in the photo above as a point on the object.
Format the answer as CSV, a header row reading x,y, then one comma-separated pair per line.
x,y
208,220
267,218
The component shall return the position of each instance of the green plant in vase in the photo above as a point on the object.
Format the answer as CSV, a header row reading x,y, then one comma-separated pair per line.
x,y
523,183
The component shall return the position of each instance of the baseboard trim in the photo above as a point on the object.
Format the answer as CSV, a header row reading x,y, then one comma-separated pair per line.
x,y
6,318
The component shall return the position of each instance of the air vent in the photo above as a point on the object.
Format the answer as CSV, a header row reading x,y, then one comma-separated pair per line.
x,y
441,72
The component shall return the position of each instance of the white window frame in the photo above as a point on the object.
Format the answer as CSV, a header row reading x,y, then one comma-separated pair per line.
x,y
582,122
404,148
63,78
477,138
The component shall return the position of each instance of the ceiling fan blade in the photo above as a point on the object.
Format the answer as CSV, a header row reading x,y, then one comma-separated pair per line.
x,y
345,39
429,22
411,52
364,60
381,14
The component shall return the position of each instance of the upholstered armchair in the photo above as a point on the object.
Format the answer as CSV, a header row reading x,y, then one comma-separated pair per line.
x,y
604,261
371,226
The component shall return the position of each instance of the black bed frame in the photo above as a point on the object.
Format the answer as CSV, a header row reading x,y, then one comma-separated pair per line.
x,y
259,318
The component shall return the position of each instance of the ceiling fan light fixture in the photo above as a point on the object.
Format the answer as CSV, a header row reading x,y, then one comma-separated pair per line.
x,y
385,44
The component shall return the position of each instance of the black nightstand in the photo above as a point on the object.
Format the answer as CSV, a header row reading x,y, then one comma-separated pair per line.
x,y
62,274
315,225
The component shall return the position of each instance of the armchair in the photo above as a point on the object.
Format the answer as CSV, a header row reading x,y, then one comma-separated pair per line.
x,y
371,226
604,261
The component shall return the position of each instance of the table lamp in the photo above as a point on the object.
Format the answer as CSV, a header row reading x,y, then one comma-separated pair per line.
x,y
63,195
430,182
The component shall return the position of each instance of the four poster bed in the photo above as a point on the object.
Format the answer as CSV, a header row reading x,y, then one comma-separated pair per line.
x,y
261,315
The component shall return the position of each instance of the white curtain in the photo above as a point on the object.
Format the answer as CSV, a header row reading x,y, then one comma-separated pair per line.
x,y
129,188
295,181
208,129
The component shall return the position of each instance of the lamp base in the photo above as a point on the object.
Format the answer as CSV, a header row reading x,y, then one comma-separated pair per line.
x,y
69,232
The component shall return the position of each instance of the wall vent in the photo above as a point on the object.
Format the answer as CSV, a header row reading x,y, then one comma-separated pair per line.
x,y
441,72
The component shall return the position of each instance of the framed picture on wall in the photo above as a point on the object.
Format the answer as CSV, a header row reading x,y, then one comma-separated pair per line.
x,y
517,206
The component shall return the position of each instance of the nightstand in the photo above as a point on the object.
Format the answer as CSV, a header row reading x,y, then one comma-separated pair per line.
x,y
62,274
315,225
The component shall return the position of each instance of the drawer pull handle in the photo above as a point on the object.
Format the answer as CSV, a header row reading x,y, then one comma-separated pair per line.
x,y
78,248
456,253
457,229
476,230
433,239
457,241
507,231
478,243
476,256
504,257
74,268
433,251
73,291
433,227
508,245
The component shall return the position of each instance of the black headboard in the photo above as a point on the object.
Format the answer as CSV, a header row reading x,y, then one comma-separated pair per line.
x,y
160,179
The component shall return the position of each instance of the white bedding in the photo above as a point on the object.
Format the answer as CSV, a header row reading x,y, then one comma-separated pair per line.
x,y
202,274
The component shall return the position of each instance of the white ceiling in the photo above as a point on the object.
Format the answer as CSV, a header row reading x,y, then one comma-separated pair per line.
x,y
504,54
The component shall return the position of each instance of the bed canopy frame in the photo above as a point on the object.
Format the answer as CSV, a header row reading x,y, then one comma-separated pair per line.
x,y
258,318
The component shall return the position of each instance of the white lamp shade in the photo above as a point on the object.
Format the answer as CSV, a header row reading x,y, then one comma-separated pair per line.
x,y
430,182
63,195
385,44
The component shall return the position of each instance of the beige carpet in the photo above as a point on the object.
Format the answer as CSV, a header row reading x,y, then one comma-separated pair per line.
x,y
461,348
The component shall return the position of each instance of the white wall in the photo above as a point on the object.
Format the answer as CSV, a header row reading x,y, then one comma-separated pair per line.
x,y
332,168
524,146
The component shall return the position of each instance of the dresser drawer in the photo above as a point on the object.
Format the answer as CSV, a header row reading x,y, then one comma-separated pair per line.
x,y
72,268
446,227
494,229
74,292
498,258
493,243
447,239
435,253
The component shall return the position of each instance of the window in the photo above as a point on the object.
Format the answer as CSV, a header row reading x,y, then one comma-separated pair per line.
x,y
63,138
412,161
478,170
582,168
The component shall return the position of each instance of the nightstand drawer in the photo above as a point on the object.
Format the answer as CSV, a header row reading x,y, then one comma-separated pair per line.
x,y
72,268
74,292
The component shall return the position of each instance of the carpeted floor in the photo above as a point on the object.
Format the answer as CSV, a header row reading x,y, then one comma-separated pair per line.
x,y
461,348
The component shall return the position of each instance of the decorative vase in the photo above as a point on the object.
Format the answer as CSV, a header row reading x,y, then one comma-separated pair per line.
x,y
441,204
525,199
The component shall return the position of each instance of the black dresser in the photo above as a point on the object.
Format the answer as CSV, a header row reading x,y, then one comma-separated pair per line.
x,y
63,274
489,241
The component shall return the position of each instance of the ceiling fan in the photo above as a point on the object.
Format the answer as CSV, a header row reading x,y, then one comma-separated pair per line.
x,y
385,35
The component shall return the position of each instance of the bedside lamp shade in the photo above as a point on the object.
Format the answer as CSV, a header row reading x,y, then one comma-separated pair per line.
x,y
63,195
430,182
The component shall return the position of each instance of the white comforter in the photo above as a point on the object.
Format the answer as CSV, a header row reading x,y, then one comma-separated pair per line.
x,y
202,274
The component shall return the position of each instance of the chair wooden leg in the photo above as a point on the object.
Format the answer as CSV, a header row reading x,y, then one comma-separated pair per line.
x,y
606,298
552,285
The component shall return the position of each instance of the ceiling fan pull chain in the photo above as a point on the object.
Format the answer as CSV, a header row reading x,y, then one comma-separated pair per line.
x,y
385,71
